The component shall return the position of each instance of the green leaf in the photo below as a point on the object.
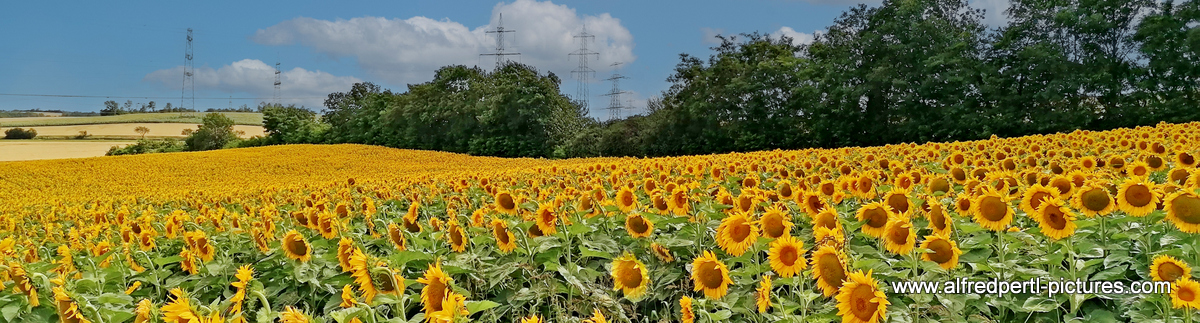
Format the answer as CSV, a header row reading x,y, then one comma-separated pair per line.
x,y
11,310
477,306
1039,304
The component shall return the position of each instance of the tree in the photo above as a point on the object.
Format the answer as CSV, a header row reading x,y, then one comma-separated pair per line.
x,y
142,130
110,108
215,132
291,125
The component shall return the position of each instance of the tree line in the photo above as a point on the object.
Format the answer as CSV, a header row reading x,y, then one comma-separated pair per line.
x,y
903,71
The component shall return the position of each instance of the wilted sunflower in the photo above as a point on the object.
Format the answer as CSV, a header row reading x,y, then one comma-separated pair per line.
x,y
1185,293
1167,268
876,216
1093,200
638,226
1056,219
736,234
295,247
775,222
787,256
991,210
828,270
899,237
762,296
547,222
860,300
1137,197
626,200
437,283
944,251
456,236
630,276
686,313
1183,210
710,275
504,238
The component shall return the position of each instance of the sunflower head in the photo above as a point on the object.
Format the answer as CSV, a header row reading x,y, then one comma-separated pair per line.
x,y
1167,268
295,247
1055,219
775,222
710,275
504,238
787,256
1183,210
506,203
943,251
828,269
1185,293
1093,200
630,276
638,226
626,200
875,216
736,234
762,295
437,284
1137,197
547,221
991,210
899,237
860,300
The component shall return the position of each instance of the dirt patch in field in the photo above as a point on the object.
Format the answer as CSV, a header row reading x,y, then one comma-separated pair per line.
x,y
125,130
11,150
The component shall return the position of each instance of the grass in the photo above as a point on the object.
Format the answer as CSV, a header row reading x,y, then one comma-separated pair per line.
x,y
242,118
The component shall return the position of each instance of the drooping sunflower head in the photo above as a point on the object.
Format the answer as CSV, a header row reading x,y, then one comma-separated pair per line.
x,y
295,247
638,226
630,276
762,295
860,300
710,275
661,252
828,269
876,216
547,221
943,251
396,236
1167,268
775,222
1183,210
686,313
736,234
345,250
787,256
504,238
456,236
437,283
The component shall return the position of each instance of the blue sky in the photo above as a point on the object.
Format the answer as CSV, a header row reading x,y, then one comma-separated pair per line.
x,y
135,48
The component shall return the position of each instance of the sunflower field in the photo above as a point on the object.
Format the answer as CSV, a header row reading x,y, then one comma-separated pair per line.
x,y
363,234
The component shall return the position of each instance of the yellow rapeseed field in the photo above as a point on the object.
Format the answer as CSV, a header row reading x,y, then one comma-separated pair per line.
x,y
351,233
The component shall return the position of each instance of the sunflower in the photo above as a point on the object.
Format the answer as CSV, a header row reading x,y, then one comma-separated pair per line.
x,y
179,309
784,190
736,234
453,306
876,216
630,276
899,237
456,236
1032,199
345,250
505,202
638,226
943,251
348,298
938,221
626,200
396,236
762,296
827,218
142,312
1056,219
23,284
295,247
776,222
437,283
1093,200
661,252
244,274
372,277
860,300
1137,197
991,210
1185,293
962,204
1167,268
1183,210
787,256
187,262
547,222
686,313
504,238
897,200
939,185
532,319
828,237
828,269
710,275
597,317
292,315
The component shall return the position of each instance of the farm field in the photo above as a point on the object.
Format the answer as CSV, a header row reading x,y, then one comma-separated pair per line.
x,y
351,233
241,118
13,150
126,130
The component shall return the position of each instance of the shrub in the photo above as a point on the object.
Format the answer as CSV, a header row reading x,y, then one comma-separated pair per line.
x,y
147,147
215,132
18,133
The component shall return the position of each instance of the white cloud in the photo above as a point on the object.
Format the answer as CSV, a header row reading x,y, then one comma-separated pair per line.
x,y
257,78
798,38
403,51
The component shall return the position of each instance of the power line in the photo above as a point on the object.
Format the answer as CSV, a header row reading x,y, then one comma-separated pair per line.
x,y
144,97
189,72
500,31
614,103
583,73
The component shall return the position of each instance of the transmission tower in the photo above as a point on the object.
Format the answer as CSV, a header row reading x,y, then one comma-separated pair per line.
x,y
583,74
276,100
499,32
189,72
614,102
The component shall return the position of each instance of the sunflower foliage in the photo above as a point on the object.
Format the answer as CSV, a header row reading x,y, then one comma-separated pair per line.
x,y
352,233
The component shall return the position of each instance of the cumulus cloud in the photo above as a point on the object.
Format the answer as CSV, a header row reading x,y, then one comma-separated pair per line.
x,y
798,38
403,51
299,86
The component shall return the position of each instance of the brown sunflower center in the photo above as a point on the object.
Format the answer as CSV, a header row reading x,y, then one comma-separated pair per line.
x,y
637,224
501,233
456,236
396,237
660,204
1035,201
814,203
1062,184
963,204
937,218
942,252
1096,199
739,231
1138,195
773,226
626,199
861,304
899,234
785,190
832,272
1187,208
959,174
506,202
827,189
876,217
1187,294
993,208
788,255
437,291
1055,218
383,282
1170,271
939,185
898,202
827,220
629,275
710,275
297,247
